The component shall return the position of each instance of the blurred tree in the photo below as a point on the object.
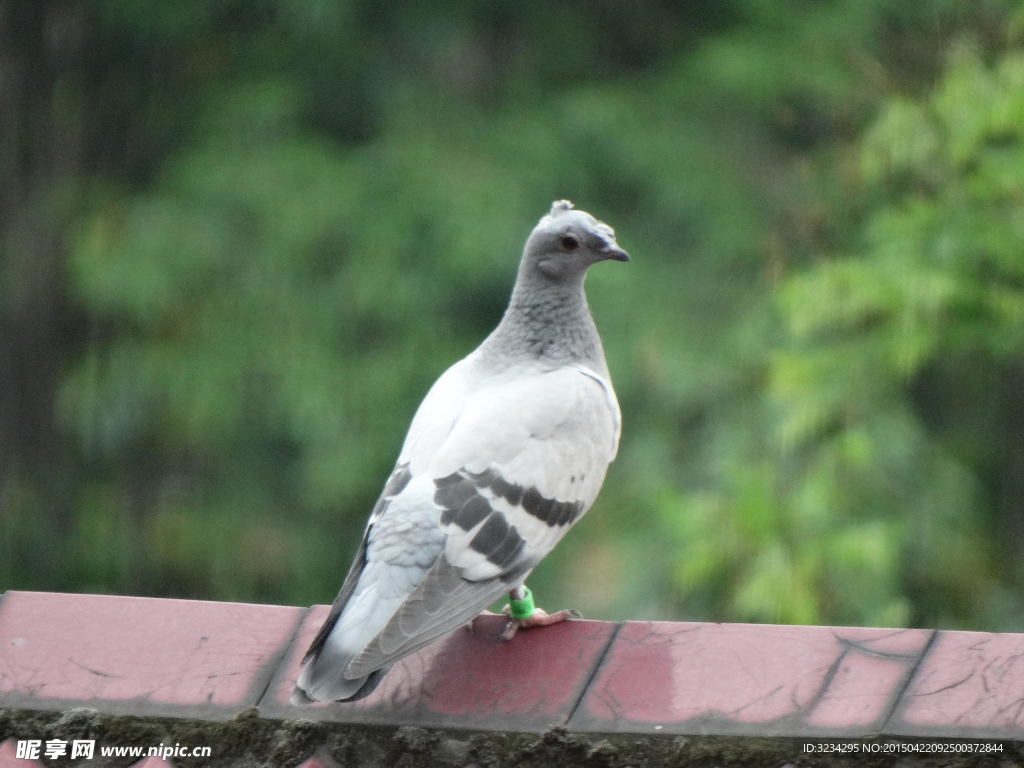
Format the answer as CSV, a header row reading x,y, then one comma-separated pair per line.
x,y
890,416
44,129
907,357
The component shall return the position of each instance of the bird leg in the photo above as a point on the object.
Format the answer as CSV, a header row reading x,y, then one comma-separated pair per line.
x,y
522,613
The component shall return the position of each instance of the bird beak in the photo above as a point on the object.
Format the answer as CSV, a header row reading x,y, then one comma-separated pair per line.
x,y
615,253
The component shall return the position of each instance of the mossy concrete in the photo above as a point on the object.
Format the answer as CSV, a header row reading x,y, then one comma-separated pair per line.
x,y
250,741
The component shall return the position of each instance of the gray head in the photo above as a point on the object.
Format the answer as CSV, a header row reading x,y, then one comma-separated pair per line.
x,y
566,242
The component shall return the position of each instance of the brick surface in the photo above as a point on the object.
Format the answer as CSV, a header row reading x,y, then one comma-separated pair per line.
x,y
318,761
969,685
467,679
134,655
210,661
758,680
8,759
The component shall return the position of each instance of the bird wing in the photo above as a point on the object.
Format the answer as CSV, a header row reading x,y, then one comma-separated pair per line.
x,y
401,542
396,483
520,462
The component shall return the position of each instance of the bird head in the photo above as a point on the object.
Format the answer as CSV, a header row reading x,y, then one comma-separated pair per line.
x,y
567,241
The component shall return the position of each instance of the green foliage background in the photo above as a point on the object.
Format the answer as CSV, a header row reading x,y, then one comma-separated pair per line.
x,y
241,238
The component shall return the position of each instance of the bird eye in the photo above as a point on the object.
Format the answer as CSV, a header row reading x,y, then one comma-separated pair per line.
x,y
569,243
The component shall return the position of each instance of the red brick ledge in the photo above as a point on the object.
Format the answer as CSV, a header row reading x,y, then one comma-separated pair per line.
x,y
206,661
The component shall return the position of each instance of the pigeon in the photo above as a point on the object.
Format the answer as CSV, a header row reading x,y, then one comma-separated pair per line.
x,y
505,454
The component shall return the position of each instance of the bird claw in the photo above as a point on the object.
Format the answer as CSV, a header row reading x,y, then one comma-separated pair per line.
x,y
539,618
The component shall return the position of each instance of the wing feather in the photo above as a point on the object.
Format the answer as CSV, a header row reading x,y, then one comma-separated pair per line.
x,y
558,433
443,600
396,483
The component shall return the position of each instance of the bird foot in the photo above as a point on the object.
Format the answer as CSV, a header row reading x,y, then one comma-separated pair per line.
x,y
539,618
471,624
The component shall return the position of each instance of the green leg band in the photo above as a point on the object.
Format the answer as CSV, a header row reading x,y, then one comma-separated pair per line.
x,y
522,609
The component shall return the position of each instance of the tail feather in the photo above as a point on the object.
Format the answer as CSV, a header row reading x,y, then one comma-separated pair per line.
x,y
326,676
323,679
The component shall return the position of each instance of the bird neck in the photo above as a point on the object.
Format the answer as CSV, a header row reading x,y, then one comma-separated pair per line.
x,y
548,321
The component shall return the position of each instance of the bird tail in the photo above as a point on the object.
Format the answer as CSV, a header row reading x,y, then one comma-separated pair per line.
x,y
325,676
323,679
